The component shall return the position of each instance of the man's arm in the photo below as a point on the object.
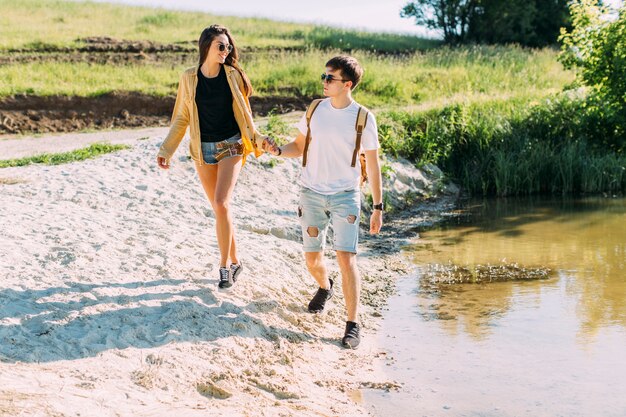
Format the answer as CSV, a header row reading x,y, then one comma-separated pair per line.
x,y
292,149
376,186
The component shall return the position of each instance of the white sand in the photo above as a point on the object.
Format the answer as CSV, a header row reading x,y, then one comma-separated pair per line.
x,y
109,303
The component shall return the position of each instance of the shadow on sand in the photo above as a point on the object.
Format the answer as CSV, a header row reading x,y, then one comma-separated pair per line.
x,y
35,328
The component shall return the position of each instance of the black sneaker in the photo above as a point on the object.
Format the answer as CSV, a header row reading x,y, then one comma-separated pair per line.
x,y
319,299
352,337
226,278
235,270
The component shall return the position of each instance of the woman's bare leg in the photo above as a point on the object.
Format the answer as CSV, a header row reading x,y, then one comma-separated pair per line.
x,y
219,182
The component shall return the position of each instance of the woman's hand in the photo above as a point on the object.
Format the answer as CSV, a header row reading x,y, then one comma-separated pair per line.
x,y
162,162
269,146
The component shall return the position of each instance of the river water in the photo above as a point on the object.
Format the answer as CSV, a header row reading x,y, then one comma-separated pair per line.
x,y
548,347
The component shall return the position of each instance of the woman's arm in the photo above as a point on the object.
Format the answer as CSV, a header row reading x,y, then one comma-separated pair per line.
x,y
258,140
178,126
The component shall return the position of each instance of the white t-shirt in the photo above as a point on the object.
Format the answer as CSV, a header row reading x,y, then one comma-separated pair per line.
x,y
333,138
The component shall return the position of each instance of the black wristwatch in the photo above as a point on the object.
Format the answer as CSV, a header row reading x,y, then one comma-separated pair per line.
x,y
378,206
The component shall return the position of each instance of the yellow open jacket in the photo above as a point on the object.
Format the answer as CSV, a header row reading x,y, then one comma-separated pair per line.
x,y
186,114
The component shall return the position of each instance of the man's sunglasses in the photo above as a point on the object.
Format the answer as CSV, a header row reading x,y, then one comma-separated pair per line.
x,y
223,47
328,78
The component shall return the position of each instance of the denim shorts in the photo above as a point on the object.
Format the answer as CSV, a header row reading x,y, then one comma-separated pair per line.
x,y
317,211
213,152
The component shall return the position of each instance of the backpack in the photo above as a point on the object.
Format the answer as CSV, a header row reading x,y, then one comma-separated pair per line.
x,y
361,121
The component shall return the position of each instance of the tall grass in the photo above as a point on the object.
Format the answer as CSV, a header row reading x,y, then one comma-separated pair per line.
x,y
479,112
27,23
324,37
85,80
465,75
418,76
510,147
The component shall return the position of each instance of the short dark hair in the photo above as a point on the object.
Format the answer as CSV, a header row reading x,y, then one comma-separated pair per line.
x,y
349,66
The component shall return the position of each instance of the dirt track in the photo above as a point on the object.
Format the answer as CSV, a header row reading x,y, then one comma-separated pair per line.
x,y
34,114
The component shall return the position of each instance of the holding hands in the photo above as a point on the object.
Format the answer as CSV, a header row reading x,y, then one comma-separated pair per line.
x,y
162,162
269,146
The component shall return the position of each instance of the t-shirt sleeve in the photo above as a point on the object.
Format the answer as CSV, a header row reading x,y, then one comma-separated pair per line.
x,y
369,139
302,124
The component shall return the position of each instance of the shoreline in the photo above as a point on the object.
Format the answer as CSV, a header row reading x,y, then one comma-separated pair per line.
x,y
109,300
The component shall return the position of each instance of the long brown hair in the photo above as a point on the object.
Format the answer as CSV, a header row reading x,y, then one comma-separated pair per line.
x,y
204,43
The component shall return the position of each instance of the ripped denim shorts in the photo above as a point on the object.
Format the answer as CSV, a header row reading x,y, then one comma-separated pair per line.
x,y
213,152
317,211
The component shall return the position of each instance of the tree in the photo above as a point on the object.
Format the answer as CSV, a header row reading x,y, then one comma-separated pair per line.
x,y
451,16
596,47
532,23
551,17
526,22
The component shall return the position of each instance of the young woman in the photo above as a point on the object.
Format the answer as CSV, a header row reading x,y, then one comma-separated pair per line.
x,y
212,100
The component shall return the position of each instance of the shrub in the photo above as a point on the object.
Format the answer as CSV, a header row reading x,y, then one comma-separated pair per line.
x,y
596,47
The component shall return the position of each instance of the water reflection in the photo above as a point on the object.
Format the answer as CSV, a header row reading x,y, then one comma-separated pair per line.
x,y
545,347
583,241
475,309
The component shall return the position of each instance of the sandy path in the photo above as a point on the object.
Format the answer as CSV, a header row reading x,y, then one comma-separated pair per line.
x,y
13,147
109,305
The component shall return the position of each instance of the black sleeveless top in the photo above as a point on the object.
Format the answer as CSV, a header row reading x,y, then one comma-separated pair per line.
x,y
215,108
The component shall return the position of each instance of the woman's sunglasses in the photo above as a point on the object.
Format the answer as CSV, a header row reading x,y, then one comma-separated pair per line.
x,y
223,47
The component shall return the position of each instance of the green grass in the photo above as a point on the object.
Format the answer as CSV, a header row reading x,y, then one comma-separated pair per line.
x,y
510,147
27,23
424,76
85,80
436,77
89,152
277,128
492,117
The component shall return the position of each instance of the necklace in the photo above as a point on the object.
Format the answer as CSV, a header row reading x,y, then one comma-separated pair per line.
x,y
207,74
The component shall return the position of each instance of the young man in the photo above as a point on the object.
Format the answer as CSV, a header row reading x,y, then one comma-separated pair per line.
x,y
331,185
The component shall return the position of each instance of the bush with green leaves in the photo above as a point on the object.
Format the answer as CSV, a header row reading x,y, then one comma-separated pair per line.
x,y
596,47
509,147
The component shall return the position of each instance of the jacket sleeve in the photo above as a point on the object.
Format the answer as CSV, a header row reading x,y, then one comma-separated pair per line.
x,y
258,137
179,122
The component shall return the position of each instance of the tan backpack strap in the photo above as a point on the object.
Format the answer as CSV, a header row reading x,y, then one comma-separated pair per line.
x,y
361,121
309,114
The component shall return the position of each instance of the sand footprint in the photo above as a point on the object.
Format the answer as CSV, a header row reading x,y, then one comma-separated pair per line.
x,y
210,390
280,392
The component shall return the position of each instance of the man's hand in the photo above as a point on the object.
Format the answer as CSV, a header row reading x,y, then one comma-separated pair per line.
x,y
162,163
376,221
269,146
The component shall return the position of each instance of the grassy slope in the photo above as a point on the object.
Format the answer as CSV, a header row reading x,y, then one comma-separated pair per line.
x,y
28,23
425,75
478,111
